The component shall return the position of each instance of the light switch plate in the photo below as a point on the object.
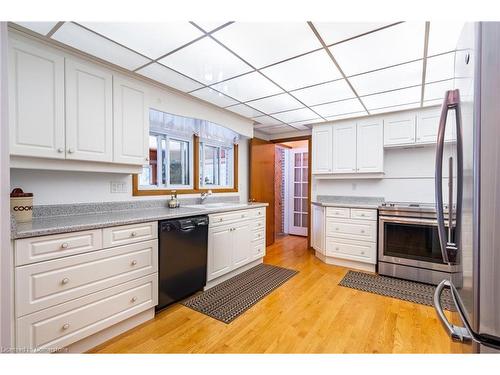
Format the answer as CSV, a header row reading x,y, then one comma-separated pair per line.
x,y
118,187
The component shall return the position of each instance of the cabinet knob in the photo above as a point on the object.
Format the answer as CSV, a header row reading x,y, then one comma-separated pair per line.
x,y
133,234
65,326
65,281
362,253
363,215
258,213
133,263
337,248
242,216
60,150
70,150
133,299
220,219
336,228
362,231
147,159
64,245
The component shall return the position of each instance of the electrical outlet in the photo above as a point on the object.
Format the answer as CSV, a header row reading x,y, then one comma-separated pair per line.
x,y
118,187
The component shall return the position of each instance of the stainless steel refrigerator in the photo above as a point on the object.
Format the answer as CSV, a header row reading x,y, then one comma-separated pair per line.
x,y
471,238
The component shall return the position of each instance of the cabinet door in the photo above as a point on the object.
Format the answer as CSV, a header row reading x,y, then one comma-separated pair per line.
x,y
322,150
399,129
317,225
370,146
89,121
220,250
344,148
131,122
36,101
428,125
242,244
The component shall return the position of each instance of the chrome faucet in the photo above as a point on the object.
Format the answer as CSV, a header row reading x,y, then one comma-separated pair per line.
x,y
205,195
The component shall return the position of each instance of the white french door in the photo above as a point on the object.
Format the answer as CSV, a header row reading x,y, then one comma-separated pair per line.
x,y
298,187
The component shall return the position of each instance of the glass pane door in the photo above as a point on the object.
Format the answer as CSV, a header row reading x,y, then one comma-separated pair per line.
x,y
298,191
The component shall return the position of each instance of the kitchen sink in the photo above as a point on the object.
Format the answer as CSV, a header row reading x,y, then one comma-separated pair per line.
x,y
209,206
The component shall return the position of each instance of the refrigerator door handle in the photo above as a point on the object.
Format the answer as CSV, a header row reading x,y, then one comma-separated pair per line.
x,y
449,246
457,333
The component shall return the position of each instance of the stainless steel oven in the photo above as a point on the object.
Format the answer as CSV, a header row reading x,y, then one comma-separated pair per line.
x,y
409,245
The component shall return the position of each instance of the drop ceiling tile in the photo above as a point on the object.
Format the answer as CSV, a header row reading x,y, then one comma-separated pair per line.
x,y
437,90
297,126
38,27
295,115
277,129
394,45
392,98
334,32
264,43
395,108
214,97
168,77
247,87
307,122
388,79
208,26
152,39
313,68
346,116
77,37
339,108
443,36
277,103
326,92
206,61
267,121
440,67
244,110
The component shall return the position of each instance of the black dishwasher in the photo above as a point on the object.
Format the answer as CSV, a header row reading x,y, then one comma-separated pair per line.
x,y
182,258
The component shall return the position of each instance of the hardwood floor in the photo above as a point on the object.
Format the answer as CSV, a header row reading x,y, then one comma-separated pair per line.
x,y
310,313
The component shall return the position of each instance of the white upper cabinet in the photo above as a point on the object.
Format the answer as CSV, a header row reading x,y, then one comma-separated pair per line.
x,y
89,117
370,146
428,125
344,148
131,121
36,101
322,150
399,129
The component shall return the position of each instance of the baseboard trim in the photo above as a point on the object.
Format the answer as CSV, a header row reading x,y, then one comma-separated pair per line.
x,y
368,267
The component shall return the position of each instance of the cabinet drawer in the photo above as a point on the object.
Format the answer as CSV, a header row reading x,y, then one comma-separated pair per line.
x,y
363,230
349,249
258,249
126,234
65,324
259,224
258,235
229,217
36,249
341,212
45,284
363,214
258,212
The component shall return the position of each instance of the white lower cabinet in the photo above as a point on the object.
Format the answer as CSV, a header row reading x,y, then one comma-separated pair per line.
x,y
235,239
345,236
71,286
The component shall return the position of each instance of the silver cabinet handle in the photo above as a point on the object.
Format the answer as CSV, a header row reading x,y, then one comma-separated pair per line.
x,y
362,231
133,263
147,159
65,281
70,150
242,216
60,150
64,245
337,249
133,299
362,253
362,215
133,234
449,246
65,326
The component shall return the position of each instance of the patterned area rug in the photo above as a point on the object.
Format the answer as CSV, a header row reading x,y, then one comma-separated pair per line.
x,y
231,298
411,291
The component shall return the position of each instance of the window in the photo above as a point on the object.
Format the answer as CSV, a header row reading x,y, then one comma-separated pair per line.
x,y
216,166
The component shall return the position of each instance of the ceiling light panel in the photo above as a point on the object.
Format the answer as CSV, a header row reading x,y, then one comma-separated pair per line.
x,y
346,116
388,79
244,110
214,97
206,61
77,37
392,98
394,45
334,32
152,39
313,68
395,108
443,36
168,77
296,115
277,103
267,121
437,90
440,67
339,108
326,92
38,27
247,87
264,43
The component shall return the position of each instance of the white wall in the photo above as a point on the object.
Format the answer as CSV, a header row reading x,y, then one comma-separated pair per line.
x,y
409,176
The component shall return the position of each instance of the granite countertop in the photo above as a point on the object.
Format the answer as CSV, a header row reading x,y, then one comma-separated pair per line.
x,y
348,201
83,218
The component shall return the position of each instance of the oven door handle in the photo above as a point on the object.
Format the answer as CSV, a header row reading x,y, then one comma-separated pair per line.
x,y
449,247
406,220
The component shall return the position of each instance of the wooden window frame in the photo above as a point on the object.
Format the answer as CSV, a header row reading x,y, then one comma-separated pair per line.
x,y
136,192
